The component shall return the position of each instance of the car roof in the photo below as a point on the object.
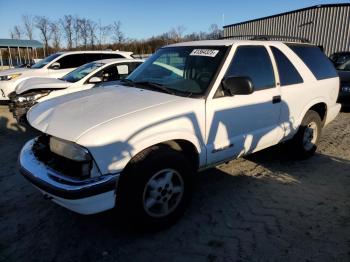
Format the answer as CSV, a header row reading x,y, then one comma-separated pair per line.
x,y
96,52
117,60
230,42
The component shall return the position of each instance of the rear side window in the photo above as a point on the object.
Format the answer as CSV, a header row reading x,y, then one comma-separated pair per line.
x,y
71,61
253,62
286,70
318,63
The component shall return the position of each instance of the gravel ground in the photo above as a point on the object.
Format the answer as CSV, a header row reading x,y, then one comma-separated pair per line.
x,y
265,207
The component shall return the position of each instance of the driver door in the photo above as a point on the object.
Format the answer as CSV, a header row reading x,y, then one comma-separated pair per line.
x,y
240,124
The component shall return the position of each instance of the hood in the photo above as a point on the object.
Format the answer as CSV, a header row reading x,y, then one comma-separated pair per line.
x,y
70,116
14,71
41,83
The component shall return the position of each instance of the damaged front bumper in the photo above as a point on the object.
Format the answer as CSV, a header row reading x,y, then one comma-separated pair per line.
x,y
19,109
84,196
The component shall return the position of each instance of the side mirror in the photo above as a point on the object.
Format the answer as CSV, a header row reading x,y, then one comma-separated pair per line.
x,y
55,66
238,85
95,80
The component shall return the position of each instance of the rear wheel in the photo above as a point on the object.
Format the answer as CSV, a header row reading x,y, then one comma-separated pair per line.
x,y
155,188
304,143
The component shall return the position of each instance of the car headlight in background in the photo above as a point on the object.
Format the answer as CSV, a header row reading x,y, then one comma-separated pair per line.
x,y
9,77
68,149
31,96
345,89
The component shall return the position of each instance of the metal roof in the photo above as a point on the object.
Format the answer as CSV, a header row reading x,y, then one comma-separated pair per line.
x,y
290,12
20,43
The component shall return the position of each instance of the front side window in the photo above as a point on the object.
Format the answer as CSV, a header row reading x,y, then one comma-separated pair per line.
x,y
116,71
81,72
253,62
188,70
315,60
286,70
45,61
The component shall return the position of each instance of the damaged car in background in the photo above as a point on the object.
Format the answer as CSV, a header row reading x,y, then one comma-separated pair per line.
x,y
94,74
53,66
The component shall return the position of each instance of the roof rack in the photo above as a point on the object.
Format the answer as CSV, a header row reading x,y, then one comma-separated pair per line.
x,y
268,37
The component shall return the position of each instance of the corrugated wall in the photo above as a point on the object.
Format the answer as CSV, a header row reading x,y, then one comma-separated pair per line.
x,y
326,26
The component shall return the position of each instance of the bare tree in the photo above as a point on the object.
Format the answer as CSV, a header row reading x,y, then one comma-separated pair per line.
x,y
43,24
67,25
28,23
214,31
16,32
117,33
56,35
104,33
84,31
176,33
91,27
76,30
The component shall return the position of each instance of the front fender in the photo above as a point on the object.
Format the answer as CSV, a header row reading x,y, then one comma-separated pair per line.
x,y
113,157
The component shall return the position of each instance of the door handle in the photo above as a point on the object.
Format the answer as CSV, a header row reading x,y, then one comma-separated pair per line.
x,y
276,99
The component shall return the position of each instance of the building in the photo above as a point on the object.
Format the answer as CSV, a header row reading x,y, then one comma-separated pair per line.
x,y
323,25
14,52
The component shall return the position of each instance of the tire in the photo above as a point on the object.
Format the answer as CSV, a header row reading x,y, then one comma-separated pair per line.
x,y
304,143
157,178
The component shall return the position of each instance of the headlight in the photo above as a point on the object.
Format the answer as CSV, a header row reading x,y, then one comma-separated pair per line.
x,y
68,149
30,97
9,77
345,89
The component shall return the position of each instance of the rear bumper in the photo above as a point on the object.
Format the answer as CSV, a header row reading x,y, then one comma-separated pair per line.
x,y
332,113
82,196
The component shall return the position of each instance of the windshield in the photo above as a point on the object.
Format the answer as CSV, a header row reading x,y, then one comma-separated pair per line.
x,y
45,61
81,72
188,70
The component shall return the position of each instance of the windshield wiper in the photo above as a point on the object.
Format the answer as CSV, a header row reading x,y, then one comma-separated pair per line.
x,y
155,85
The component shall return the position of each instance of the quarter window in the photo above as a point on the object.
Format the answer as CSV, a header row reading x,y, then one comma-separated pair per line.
x,y
315,60
286,70
253,62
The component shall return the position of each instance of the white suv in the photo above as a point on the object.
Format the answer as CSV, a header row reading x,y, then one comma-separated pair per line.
x,y
189,107
55,65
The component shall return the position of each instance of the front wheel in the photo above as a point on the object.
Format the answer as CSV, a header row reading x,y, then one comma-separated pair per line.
x,y
304,143
155,188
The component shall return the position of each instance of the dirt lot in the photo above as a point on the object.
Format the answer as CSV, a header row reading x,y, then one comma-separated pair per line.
x,y
262,208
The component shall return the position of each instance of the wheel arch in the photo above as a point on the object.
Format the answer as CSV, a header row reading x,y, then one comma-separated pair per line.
x,y
184,146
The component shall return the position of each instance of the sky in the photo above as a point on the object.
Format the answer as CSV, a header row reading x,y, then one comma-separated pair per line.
x,y
143,19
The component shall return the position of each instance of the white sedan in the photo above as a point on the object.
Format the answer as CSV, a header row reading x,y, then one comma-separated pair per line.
x,y
38,89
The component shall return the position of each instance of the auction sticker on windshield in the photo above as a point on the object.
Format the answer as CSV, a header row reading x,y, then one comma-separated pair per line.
x,y
204,52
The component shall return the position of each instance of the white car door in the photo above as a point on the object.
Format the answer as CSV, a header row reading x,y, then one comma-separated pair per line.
x,y
240,124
